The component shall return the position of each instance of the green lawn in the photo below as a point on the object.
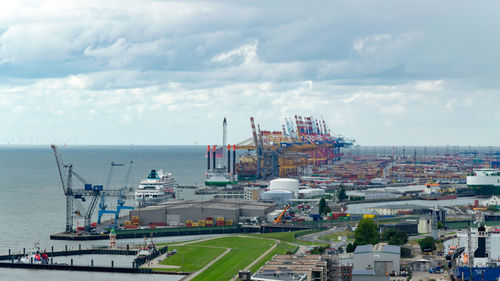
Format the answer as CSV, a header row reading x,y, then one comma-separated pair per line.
x,y
243,252
289,237
191,258
335,236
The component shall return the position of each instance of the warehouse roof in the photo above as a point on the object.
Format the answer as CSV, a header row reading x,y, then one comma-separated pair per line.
x,y
363,249
229,204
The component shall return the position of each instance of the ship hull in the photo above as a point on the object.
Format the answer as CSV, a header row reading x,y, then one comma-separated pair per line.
x,y
486,190
478,273
220,183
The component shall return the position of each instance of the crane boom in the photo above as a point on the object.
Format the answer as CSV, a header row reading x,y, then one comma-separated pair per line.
x,y
278,219
59,167
127,177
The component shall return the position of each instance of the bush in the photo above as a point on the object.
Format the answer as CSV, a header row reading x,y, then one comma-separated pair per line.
x,y
350,247
427,244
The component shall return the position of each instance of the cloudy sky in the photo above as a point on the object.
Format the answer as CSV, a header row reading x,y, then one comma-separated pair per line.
x,y
161,72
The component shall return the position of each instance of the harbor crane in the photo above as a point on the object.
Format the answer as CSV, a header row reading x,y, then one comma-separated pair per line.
x,y
120,202
66,174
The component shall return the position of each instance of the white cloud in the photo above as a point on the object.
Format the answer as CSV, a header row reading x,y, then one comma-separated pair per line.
x,y
121,68
246,53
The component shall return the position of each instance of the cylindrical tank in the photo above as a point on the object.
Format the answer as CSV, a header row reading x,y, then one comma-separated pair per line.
x,y
291,185
280,197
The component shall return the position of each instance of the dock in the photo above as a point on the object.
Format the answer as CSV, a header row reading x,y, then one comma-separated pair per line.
x,y
134,268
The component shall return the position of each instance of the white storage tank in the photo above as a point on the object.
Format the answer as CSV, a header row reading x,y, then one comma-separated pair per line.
x,y
308,193
291,185
279,197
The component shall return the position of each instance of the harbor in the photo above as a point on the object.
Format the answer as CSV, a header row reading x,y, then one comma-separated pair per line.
x,y
292,174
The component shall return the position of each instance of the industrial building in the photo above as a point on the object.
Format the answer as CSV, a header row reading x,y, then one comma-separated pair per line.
x,y
376,262
407,209
175,213
251,193
408,226
311,192
300,267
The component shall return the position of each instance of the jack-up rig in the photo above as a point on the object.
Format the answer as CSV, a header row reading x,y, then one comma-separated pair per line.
x,y
66,174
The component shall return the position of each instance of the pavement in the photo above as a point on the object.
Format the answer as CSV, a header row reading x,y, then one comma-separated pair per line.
x,y
417,276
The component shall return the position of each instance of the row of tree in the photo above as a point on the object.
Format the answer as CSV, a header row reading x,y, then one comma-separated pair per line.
x,y
367,233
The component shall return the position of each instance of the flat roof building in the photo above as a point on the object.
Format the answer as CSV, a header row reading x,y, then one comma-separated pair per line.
x,y
177,212
304,267
373,261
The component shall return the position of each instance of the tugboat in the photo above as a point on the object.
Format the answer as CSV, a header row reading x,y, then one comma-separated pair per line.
x,y
146,249
35,256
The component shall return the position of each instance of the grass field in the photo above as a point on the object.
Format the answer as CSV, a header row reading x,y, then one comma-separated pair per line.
x,y
289,237
191,258
243,251
335,236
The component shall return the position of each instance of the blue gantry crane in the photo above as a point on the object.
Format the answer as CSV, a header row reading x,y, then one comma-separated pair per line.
x,y
120,204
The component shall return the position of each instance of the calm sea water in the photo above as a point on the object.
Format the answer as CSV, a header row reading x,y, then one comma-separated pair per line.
x,y
32,203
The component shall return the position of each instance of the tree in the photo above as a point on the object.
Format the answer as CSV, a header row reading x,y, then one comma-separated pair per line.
x,y
492,208
400,238
323,208
395,237
427,244
350,247
342,195
340,250
366,233
440,225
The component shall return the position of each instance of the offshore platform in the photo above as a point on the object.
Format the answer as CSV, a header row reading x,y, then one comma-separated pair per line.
x,y
303,144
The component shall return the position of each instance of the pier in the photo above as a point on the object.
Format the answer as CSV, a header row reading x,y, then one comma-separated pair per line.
x,y
134,268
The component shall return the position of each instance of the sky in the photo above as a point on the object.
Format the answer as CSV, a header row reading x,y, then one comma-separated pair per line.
x,y
167,73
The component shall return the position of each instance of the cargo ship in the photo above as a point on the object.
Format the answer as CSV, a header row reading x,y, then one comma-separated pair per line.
x,y
485,260
484,181
434,191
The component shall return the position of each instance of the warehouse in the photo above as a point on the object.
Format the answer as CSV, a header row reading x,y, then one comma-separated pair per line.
x,y
175,213
375,262
408,226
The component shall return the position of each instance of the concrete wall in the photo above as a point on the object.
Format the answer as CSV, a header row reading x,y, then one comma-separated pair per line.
x,y
362,261
150,215
369,278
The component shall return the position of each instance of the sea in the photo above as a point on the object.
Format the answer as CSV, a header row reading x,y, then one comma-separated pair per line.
x,y
32,202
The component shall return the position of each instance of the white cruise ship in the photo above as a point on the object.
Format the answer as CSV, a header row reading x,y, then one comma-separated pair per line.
x,y
485,181
159,186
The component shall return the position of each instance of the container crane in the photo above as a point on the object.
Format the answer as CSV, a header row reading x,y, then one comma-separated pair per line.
x,y
66,174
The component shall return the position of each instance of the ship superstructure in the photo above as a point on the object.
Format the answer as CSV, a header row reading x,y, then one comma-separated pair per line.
x,y
477,254
484,181
158,186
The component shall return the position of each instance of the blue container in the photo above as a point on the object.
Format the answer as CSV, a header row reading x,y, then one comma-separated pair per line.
x,y
88,186
97,187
